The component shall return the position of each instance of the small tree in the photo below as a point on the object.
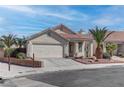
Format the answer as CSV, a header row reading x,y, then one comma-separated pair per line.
x,y
110,47
99,35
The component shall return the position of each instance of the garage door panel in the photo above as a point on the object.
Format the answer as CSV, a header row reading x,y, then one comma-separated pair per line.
x,y
47,51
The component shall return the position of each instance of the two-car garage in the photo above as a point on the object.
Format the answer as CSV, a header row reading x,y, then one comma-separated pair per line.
x,y
47,50
46,45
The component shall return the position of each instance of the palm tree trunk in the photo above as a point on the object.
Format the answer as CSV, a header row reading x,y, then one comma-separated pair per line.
x,y
99,52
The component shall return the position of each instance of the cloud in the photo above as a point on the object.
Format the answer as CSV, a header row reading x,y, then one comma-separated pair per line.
x,y
66,13
112,15
62,12
18,8
58,15
12,27
107,21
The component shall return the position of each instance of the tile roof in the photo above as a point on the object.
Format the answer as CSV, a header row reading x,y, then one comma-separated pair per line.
x,y
69,34
117,36
72,36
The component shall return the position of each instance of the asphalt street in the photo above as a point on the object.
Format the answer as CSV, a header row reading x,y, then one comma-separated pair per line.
x,y
104,77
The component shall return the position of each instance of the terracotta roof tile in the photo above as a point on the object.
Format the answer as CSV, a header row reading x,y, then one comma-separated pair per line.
x,y
72,36
117,36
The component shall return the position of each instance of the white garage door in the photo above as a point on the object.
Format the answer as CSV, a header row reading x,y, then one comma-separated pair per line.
x,y
47,51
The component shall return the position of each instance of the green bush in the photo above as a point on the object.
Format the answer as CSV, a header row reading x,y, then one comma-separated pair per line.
x,y
106,55
111,47
21,55
8,52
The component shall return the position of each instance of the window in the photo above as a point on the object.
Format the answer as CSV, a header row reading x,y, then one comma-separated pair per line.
x,y
80,46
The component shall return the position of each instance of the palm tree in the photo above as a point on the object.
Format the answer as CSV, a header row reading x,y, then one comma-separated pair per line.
x,y
8,40
20,42
99,35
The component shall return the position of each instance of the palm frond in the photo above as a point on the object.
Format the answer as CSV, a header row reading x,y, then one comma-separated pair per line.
x,y
100,34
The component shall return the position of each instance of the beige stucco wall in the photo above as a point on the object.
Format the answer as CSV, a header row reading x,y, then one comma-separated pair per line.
x,y
60,32
48,39
66,49
45,38
120,48
89,48
29,48
77,50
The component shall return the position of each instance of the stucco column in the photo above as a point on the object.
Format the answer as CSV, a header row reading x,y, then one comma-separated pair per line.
x,y
91,48
76,47
29,50
83,49
104,47
66,49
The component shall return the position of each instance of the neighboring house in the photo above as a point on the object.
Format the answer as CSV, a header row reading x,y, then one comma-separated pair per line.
x,y
57,42
117,37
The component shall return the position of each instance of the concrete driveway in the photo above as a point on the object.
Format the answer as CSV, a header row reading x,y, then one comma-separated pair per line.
x,y
60,62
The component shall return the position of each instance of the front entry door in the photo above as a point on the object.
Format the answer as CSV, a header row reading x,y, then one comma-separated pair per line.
x,y
71,49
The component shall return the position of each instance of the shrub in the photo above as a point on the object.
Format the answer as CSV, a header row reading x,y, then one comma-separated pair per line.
x,y
18,50
21,55
111,47
8,52
106,55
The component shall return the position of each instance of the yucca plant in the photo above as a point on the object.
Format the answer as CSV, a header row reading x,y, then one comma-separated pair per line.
x,y
99,35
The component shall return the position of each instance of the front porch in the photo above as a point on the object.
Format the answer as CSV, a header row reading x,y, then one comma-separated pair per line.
x,y
78,49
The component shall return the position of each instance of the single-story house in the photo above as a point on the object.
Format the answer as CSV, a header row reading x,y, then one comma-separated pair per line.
x,y
58,41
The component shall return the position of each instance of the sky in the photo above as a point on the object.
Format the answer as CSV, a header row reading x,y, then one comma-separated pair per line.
x,y
28,20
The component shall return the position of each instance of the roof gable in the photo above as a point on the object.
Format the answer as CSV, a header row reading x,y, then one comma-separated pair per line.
x,y
63,28
44,32
60,31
